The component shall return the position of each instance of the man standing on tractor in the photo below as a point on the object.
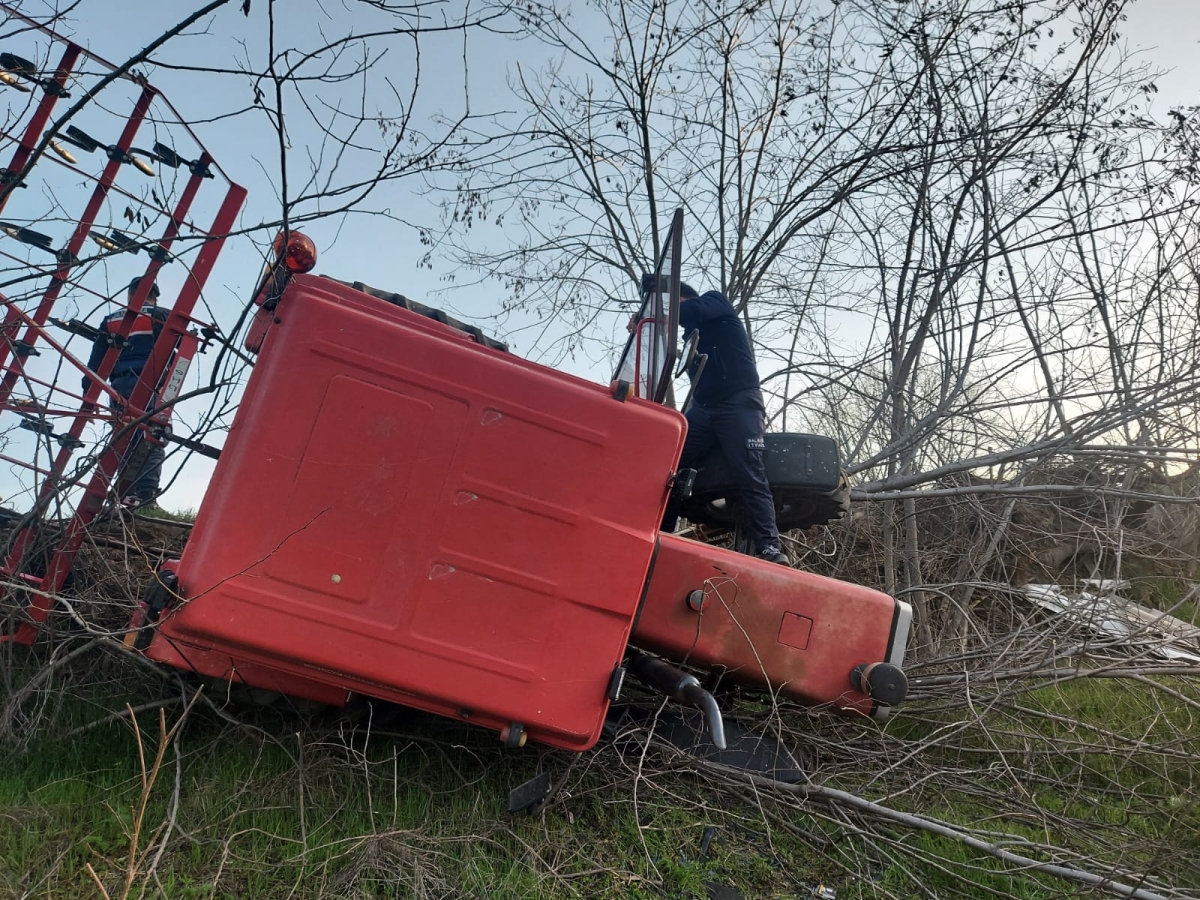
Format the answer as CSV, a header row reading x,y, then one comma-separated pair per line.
x,y
140,487
727,411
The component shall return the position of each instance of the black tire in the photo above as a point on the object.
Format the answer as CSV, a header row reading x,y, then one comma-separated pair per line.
x,y
806,479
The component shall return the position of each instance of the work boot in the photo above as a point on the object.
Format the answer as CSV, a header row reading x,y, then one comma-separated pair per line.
x,y
137,503
775,555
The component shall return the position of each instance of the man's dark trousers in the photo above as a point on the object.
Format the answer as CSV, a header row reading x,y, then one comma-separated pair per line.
x,y
737,425
144,482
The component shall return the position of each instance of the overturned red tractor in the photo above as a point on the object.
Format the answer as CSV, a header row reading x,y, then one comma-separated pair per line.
x,y
402,510
406,511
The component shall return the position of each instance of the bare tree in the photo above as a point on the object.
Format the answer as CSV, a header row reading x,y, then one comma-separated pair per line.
x,y
330,123
955,233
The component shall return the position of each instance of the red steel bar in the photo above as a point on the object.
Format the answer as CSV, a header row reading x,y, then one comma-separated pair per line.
x,y
37,123
24,463
13,370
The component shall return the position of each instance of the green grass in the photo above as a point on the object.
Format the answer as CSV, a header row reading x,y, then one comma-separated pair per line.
x,y
1106,766
410,812
415,806
1170,594
154,511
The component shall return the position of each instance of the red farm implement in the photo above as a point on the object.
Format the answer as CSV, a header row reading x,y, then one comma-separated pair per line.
x,y
83,207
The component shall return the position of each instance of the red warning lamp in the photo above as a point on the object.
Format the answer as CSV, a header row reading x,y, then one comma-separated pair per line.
x,y
296,257
301,253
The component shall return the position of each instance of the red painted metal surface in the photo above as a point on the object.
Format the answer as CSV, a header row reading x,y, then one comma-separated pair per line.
x,y
220,664
793,631
403,513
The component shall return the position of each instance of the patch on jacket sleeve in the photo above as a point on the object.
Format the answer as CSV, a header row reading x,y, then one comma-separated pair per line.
x,y
756,443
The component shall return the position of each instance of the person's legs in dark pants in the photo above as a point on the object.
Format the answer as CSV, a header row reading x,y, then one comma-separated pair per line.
x,y
700,439
142,484
146,479
739,425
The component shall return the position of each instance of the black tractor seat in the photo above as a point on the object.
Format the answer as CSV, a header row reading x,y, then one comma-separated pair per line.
x,y
806,478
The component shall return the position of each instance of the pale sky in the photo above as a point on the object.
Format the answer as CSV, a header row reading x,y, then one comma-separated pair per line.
x,y
1166,33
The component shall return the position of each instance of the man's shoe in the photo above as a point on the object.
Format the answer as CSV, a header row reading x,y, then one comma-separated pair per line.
x,y
775,555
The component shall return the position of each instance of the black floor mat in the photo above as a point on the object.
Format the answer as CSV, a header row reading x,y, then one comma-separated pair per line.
x,y
748,749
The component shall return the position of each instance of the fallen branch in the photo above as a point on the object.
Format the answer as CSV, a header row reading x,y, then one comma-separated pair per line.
x,y
862,493
844,799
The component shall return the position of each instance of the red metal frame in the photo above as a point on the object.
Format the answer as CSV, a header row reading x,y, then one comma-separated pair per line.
x,y
172,351
659,324
163,355
12,371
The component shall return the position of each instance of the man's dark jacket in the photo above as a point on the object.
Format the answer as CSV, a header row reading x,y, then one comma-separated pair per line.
x,y
730,367
146,328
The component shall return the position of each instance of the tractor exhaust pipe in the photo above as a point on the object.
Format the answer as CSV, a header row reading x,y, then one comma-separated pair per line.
x,y
680,687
